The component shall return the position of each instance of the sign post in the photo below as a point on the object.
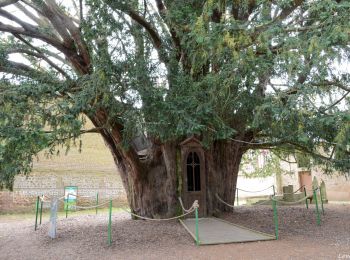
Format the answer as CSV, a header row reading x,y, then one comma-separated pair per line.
x,y
70,197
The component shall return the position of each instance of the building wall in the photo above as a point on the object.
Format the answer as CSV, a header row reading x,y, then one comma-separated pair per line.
x,y
255,186
337,186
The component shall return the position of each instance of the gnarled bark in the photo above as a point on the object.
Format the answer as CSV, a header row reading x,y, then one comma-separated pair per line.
x,y
154,185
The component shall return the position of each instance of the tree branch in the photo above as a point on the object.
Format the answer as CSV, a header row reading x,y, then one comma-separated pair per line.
x,y
331,83
152,32
176,40
284,14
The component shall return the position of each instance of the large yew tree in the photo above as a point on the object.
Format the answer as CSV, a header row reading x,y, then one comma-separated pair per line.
x,y
237,75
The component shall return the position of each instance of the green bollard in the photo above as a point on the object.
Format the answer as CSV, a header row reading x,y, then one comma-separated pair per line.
x,y
41,211
306,203
275,217
96,202
67,205
237,197
110,224
197,231
321,201
36,213
317,211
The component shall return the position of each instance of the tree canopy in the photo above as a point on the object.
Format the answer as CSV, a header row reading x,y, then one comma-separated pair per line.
x,y
266,74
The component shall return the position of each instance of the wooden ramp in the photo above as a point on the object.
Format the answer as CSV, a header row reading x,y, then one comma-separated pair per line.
x,y
216,231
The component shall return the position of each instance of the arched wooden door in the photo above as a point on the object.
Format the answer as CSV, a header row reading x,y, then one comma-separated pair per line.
x,y
194,178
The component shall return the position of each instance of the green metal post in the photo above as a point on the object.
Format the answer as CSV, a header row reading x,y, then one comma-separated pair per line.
x,y
306,203
275,217
41,211
197,231
237,197
274,191
321,201
317,211
110,224
36,213
67,205
96,202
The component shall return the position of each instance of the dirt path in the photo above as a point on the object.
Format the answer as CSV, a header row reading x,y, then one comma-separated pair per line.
x,y
85,237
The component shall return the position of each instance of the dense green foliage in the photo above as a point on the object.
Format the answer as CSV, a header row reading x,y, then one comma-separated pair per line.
x,y
269,74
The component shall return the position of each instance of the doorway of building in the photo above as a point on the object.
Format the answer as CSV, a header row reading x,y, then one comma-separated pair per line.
x,y
305,178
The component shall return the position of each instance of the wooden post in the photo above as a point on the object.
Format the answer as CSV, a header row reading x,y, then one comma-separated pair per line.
x,y
197,231
36,213
110,224
321,201
318,219
41,210
275,216
306,203
67,205
96,202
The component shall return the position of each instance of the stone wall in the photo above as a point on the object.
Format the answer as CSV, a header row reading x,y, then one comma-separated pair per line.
x,y
92,170
26,189
337,186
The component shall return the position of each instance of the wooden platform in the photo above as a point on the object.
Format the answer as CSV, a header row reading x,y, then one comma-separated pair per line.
x,y
216,231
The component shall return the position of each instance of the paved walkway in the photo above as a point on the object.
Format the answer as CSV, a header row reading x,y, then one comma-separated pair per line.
x,y
217,231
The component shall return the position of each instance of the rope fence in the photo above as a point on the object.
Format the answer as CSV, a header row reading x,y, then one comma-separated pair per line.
x,y
256,191
275,202
41,199
193,209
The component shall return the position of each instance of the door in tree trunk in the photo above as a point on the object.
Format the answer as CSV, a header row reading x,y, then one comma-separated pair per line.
x,y
194,176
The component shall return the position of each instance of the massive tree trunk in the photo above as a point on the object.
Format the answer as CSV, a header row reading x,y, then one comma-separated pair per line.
x,y
154,192
153,185
222,163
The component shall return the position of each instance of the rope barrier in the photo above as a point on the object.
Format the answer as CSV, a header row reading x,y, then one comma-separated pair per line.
x,y
80,196
255,191
194,206
90,207
42,199
232,206
302,186
224,202
182,206
290,193
291,202
260,203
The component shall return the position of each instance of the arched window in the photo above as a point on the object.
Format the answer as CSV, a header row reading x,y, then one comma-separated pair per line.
x,y
193,172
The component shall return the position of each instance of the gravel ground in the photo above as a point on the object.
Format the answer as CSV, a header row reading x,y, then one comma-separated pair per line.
x,y
85,237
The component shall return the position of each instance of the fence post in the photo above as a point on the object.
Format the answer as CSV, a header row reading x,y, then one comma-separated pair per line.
x,y
274,192
41,210
275,217
237,196
110,224
197,231
321,201
317,211
67,205
306,203
36,212
96,202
